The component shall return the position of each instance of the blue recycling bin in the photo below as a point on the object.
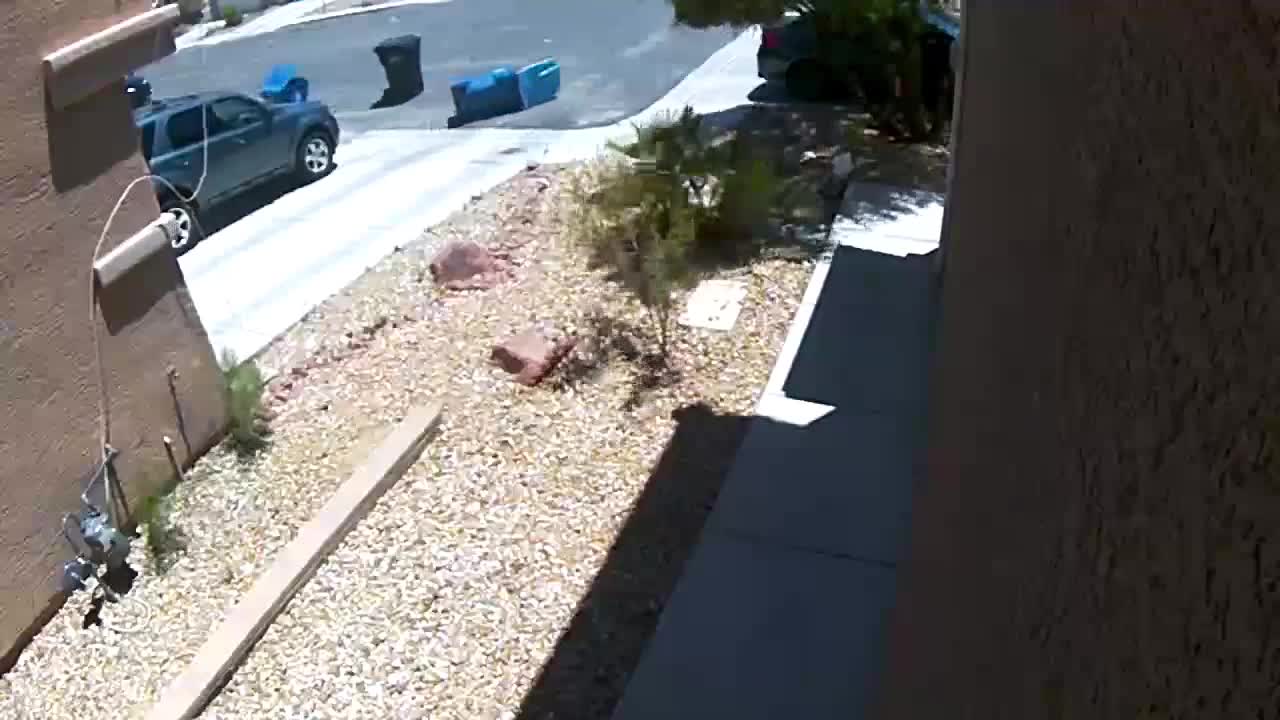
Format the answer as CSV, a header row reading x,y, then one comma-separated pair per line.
x,y
539,82
284,85
494,93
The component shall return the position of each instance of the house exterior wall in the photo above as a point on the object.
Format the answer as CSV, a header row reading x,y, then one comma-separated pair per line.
x,y
61,171
1098,535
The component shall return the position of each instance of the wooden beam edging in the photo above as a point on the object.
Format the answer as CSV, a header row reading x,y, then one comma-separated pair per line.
x,y
186,697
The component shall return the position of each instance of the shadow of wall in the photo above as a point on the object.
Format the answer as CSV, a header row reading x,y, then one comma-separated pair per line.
x,y
587,672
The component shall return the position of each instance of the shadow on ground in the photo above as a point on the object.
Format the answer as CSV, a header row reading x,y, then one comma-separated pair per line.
x,y
593,660
874,301
793,128
792,581
235,209
782,609
799,142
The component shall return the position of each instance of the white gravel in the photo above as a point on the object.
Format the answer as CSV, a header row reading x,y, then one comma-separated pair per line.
x,y
451,597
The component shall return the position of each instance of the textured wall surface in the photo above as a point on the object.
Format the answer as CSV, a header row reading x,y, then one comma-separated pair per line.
x,y
1099,535
60,174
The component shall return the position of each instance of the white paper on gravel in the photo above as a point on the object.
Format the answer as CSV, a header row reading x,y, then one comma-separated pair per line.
x,y
714,305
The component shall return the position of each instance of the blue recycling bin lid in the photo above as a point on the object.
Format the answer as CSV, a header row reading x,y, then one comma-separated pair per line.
x,y
278,78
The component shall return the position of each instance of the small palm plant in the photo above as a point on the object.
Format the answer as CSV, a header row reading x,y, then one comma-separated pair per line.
x,y
244,388
667,206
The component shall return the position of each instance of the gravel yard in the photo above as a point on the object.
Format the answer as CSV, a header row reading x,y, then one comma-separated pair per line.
x,y
516,570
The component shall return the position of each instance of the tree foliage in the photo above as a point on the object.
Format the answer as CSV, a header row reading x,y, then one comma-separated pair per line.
x,y
873,46
837,14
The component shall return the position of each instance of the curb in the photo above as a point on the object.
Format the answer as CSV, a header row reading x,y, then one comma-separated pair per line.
x,y
204,30
305,19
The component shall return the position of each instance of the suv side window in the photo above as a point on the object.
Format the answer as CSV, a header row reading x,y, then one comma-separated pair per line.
x,y
229,113
148,138
186,128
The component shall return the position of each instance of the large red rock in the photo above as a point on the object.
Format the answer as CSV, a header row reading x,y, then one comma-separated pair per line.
x,y
467,265
531,354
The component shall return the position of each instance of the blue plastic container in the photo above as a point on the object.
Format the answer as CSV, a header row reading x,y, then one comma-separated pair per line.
x,y
497,92
283,85
539,82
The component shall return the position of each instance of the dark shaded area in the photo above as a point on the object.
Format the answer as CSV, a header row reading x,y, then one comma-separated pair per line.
x,y
847,310
796,146
735,13
238,207
593,660
607,339
789,129
784,607
90,137
133,295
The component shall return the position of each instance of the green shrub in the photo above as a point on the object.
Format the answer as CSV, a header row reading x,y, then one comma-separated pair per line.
x,y
641,225
244,388
231,16
874,41
678,200
731,190
165,540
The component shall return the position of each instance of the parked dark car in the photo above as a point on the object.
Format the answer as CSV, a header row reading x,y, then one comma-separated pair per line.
x,y
250,142
139,90
789,56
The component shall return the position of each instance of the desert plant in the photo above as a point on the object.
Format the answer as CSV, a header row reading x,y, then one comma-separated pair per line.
x,y
165,540
731,191
677,197
244,388
231,16
642,225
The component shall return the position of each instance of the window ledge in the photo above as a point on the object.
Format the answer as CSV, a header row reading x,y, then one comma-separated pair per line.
x,y
90,64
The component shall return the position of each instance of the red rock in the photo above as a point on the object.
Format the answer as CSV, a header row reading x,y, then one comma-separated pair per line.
x,y
531,354
466,265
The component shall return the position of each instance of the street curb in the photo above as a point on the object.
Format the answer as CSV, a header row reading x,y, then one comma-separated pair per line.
x,y
305,19
248,30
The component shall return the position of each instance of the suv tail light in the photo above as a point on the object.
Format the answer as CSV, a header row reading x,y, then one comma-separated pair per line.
x,y
771,40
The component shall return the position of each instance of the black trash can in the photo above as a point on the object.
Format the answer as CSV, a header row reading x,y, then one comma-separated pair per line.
x,y
938,80
401,58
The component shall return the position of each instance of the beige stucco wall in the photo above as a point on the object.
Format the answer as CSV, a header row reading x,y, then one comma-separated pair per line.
x,y
1097,536
60,174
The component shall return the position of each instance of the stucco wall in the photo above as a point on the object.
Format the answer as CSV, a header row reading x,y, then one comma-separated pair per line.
x,y
60,174
1099,534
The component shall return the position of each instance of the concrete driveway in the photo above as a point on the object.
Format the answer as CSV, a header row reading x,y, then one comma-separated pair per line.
x,y
280,251
616,58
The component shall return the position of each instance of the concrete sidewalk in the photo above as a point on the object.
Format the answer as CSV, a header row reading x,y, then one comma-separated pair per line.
x,y
782,607
277,17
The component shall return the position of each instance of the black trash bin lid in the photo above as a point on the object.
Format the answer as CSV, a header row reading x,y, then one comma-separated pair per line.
x,y
402,43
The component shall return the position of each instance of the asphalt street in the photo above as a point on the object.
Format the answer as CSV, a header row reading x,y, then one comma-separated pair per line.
x,y
617,57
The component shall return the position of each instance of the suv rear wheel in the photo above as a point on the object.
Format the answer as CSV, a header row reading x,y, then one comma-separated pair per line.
x,y
315,156
189,231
